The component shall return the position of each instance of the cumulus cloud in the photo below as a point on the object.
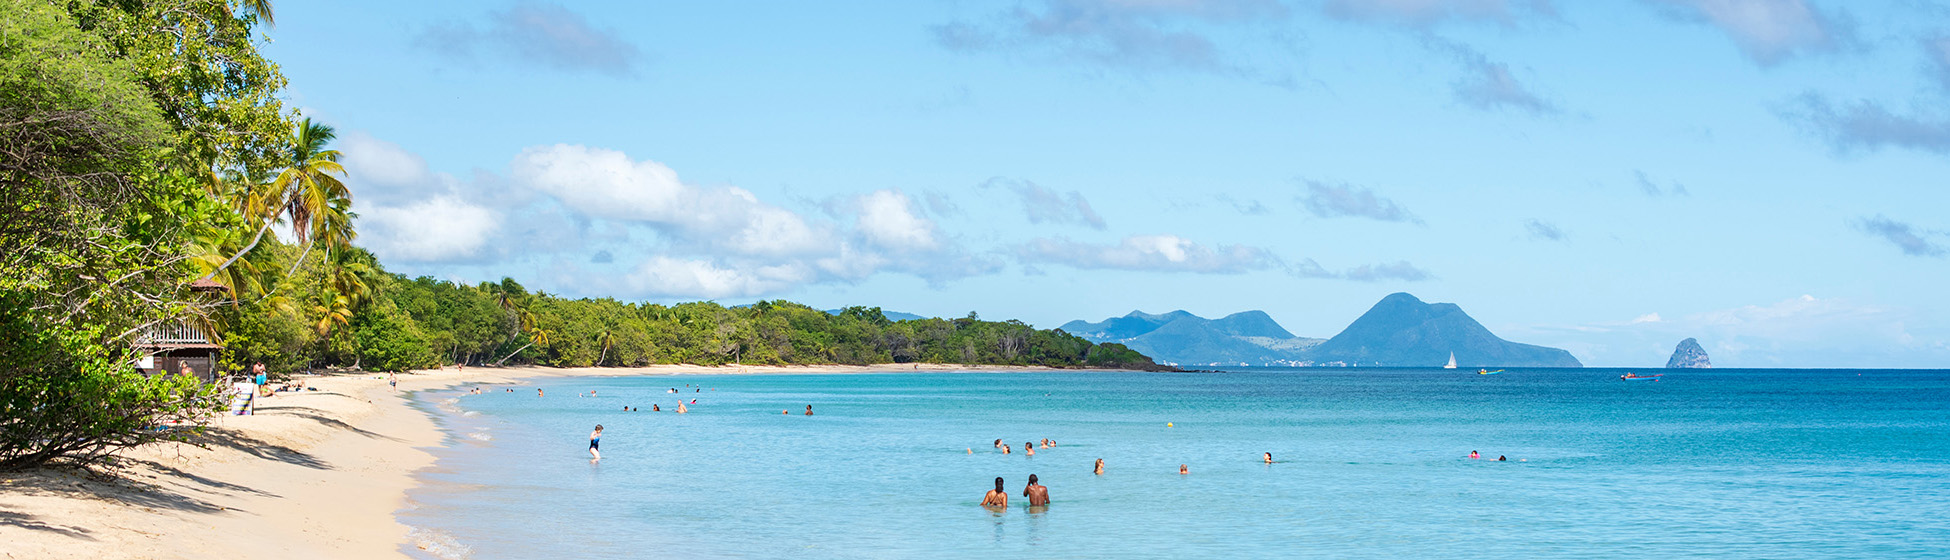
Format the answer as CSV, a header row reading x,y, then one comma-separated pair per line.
x,y
1331,201
1652,189
1133,34
1157,253
1426,13
540,34
1400,270
889,219
1913,241
1043,205
443,228
664,276
1767,31
609,184
1866,125
1543,230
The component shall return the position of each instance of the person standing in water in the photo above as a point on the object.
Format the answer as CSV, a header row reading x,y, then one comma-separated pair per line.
x,y
595,442
1269,457
1005,449
1100,466
1183,470
996,498
1038,494
809,410
1029,449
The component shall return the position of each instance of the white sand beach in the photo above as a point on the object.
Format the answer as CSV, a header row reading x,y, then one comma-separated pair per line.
x,y
313,474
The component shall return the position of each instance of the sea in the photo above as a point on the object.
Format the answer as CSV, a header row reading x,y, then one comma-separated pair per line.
x,y
1368,463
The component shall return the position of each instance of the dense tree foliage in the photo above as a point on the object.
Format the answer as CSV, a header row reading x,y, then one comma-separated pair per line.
x,y
405,323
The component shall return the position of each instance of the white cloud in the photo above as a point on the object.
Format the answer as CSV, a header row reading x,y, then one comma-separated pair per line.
x,y
608,184
442,228
1423,13
1767,31
888,219
1162,253
1646,318
696,278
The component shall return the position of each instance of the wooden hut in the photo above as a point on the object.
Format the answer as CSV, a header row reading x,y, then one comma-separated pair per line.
x,y
169,347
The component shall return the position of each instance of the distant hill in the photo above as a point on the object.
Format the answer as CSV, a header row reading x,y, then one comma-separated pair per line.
x,y
1689,355
1402,331
891,315
1181,338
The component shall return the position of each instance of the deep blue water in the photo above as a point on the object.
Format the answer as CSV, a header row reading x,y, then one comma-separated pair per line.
x,y
1372,464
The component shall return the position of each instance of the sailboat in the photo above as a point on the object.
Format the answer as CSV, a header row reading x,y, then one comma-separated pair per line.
x,y
1452,361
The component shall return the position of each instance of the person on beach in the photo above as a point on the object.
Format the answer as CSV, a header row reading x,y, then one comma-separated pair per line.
x,y
996,498
1038,494
392,379
1100,467
1183,470
1029,448
1269,457
595,441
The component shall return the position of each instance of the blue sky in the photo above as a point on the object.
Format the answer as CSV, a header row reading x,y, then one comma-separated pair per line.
x,y
1605,177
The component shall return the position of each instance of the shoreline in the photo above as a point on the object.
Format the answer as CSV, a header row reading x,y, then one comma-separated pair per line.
x,y
314,474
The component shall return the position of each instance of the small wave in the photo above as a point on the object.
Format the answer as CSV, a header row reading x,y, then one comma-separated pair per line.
x,y
471,413
481,436
439,544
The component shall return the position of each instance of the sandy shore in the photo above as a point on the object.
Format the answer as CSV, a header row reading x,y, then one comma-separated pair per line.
x,y
316,474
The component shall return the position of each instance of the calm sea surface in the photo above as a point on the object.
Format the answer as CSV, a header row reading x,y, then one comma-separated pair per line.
x,y
1371,464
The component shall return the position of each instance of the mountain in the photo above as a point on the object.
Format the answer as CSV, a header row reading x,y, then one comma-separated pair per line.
x,y
1402,331
1181,338
1689,355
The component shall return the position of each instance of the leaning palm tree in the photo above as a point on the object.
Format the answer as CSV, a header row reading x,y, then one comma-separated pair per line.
x,y
307,194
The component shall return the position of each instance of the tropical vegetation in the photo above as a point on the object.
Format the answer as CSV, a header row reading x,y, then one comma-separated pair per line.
x,y
145,149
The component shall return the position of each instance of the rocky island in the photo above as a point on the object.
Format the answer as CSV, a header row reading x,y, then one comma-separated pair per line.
x,y
1689,354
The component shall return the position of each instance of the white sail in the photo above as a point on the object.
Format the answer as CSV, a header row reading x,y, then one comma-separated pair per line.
x,y
1452,361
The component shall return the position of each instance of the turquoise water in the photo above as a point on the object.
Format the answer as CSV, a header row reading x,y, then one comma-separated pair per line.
x,y
1372,464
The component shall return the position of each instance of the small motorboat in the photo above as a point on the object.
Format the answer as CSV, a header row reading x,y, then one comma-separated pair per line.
x,y
1637,377
1488,372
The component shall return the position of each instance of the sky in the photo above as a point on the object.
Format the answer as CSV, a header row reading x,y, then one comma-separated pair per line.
x,y
1607,177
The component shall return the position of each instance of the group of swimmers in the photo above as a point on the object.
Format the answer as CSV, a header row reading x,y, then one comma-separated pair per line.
x,y
998,499
1475,455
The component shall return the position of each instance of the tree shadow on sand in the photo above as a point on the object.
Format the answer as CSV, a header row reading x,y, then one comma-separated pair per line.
x,y
316,415
215,438
33,523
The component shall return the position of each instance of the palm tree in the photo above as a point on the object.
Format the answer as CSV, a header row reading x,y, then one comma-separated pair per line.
x,y
307,194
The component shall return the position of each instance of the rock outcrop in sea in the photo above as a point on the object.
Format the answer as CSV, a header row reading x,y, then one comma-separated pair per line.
x,y
1689,355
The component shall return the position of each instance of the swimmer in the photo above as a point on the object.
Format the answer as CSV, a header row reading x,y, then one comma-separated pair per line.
x,y
1473,455
1100,466
1183,470
655,408
998,444
1502,458
1269,457
971,451
595,441
996,498
1028,449
680,408
786,412
538,391
1038,494
1005,449
809,410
